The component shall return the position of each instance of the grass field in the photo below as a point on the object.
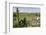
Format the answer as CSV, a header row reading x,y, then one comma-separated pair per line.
x,y
26,20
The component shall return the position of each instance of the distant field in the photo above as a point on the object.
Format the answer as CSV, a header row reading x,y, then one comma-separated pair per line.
x,y
30,20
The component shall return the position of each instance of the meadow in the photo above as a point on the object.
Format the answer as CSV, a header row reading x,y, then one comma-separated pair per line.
x,y
26,20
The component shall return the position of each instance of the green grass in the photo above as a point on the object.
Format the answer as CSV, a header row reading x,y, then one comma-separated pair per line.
x,y
29,17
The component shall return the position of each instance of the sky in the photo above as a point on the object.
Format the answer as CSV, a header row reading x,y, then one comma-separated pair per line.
x,y
27,9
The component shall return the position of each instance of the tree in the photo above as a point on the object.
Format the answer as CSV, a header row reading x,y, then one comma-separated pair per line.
x,y
17,12
25,22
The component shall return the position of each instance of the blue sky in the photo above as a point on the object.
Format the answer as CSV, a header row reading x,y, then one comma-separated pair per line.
x,y
27,9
